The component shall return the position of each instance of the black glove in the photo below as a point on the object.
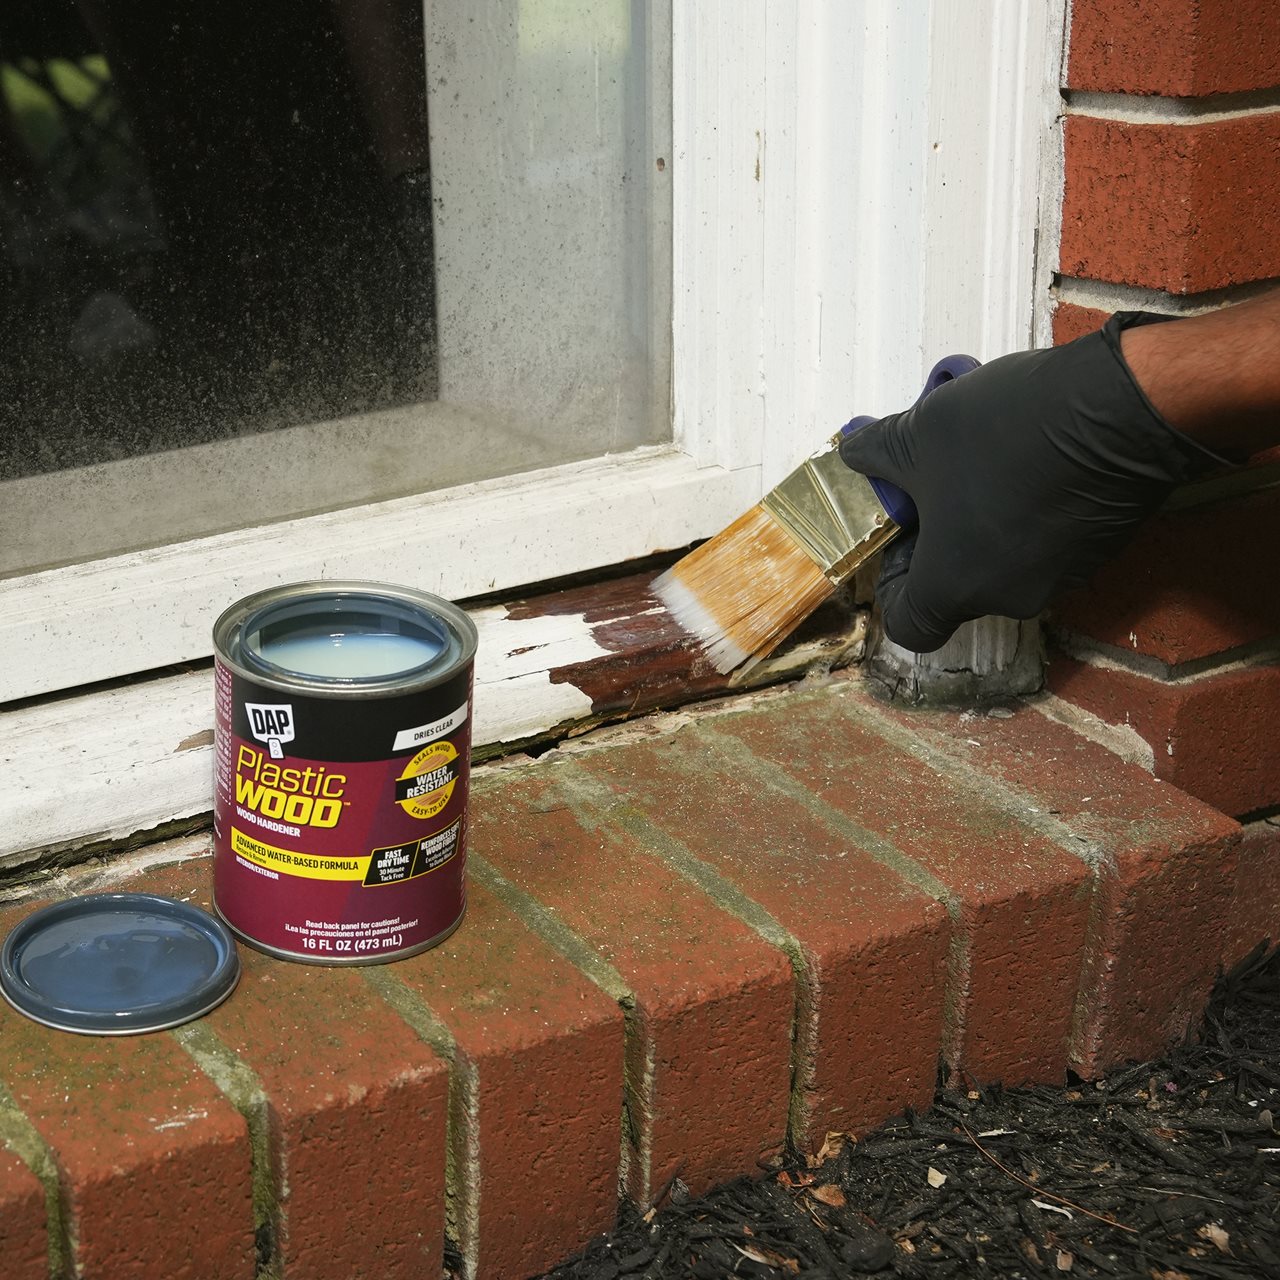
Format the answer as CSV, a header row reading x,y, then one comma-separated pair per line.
x,y
1028,473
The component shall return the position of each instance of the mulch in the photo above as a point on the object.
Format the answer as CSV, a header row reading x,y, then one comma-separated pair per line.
x,y
1165,1170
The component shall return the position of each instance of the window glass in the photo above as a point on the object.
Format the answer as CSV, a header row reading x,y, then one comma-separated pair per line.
x,y
266,260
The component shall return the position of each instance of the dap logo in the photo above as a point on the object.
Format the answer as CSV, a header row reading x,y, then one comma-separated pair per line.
x,y
271,723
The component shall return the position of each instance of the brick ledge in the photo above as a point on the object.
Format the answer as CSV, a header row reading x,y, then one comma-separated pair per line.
x,y
688,942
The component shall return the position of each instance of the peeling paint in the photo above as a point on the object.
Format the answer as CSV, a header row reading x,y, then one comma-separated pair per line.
x,y
550,666
512,646
515,709
517,695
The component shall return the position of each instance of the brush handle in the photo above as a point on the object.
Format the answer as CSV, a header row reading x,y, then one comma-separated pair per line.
x,y
897,502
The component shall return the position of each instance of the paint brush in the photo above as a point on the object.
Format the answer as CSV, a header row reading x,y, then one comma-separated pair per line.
x,y
745,590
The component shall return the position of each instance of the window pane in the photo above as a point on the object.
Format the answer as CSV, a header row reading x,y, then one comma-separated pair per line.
x,y
259,265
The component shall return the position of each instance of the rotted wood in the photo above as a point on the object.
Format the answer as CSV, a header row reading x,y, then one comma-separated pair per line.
x,y
636,659
548,666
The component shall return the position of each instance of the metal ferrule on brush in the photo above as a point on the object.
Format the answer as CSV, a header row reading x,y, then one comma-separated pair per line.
x,y
832,512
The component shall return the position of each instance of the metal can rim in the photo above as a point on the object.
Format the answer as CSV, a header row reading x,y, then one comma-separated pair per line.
x,y
225,633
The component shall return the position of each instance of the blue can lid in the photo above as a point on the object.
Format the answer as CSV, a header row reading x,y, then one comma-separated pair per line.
x,y
118,964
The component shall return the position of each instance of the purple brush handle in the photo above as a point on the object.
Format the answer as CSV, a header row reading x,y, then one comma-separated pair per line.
x,y
896,502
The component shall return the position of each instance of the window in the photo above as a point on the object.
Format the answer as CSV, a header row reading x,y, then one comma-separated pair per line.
x,y
251,283
853,192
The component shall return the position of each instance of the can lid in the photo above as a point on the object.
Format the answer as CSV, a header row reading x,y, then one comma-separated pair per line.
x,y
118,964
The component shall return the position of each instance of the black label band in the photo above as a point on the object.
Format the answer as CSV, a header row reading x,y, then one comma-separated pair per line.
x,y
287,723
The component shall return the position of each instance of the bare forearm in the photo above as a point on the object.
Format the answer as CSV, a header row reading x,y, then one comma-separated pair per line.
x,y
1215,376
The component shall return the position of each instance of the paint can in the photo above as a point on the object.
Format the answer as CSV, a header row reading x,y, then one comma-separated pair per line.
x,y
342,748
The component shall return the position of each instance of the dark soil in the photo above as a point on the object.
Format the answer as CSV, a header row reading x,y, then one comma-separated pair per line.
x,y
1167,1170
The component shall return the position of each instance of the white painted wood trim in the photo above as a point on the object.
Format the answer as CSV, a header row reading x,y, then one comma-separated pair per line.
x,y
104,766
718,244
1052,167
982,181
109,618
773,119
813,140
857,194
992,209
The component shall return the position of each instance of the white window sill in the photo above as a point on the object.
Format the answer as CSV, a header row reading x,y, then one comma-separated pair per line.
x,y
89,773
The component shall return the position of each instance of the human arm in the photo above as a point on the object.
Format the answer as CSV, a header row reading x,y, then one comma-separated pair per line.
x,y
1215,376
1033,470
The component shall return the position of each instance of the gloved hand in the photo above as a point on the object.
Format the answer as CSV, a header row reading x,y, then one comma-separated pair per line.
x,y
1028,474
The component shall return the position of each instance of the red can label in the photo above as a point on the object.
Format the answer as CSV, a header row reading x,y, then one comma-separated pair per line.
x,y
340,823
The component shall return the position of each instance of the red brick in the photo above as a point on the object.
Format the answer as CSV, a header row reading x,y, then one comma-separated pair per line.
x,y
1212,736
154,1163
1191,584
355,1101
24,1232
538,1091
1164,867
874,947
1178,207
1071,322
1022,903
1180,48
710,1054
1255,910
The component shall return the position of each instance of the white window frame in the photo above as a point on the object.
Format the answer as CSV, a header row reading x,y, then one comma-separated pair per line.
x,y
854,195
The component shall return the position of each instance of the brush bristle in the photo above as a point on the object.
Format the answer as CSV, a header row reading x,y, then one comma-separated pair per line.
x,y
744,591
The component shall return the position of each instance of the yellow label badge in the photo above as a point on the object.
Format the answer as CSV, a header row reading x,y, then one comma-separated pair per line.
x,y
426,784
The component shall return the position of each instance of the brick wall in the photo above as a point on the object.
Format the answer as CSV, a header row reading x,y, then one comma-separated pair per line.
x,y
1170,203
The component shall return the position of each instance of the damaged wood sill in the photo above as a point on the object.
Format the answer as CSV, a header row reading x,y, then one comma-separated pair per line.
x,y
87,775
